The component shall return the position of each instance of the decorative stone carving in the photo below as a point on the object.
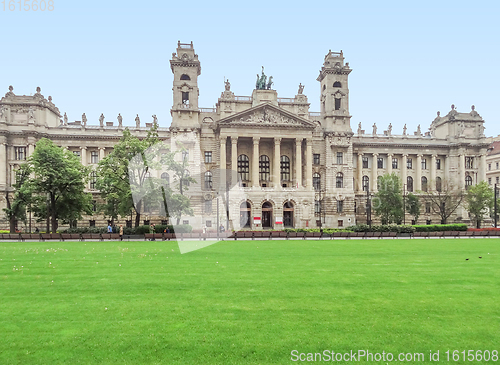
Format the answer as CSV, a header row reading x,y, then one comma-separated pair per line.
x,y
84,119
374,129
137,121
359,128
419,131
101,120
31,115
65,119
227,85
10,93
404,130
155,120
389,129
3,113
267,117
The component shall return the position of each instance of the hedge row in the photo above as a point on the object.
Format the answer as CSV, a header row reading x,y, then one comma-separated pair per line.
x,y
441,227
382,228
159,228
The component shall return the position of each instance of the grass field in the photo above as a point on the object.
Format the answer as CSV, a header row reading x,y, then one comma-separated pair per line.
x,y
245,302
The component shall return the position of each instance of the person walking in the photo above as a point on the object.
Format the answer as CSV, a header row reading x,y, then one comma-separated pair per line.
x,y
110,229
121,232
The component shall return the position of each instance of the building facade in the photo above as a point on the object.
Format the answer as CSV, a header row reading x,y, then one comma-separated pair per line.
x,y
297,168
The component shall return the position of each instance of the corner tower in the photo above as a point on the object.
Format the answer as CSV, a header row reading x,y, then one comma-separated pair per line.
x,y
333,78
186,69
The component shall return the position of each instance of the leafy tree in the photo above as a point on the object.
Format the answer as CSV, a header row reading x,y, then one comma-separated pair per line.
x,y
446,200
479,199
388,204
58,184
16,207
413,206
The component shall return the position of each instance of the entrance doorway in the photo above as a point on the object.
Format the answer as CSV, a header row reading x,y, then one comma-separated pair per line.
x,y
245,209
267,215
288,215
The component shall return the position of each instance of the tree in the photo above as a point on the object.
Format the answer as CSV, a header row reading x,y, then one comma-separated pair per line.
x,y
388,202
413,206
479,200
58,184
445,200
16,208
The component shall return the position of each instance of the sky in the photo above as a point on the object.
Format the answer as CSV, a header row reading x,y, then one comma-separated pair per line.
x,y
409,59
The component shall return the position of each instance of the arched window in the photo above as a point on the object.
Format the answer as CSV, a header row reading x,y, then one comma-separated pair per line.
x,y
165,178
243,168
317,181
438,184
93,180
285,168
468,181
366,183
337,84
245,209
409,184
288,214
339,180
185,77
264,169
208,180
424,183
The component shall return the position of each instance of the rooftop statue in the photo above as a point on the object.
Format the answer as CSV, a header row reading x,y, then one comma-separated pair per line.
x,y
101,120
261,81
228,84
84,119
120,120
374,129
301,88
137,121
404,130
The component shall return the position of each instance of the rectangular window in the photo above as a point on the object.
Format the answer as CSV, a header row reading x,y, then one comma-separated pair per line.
x,y
469,162
185,98
316,158
77,153
497,180
489,180
424,164
365,162
20,153
427,207
340,223
208,156
409,163
340,158
94,205
208,206
92,223
380,162
438,164
394,163
185,155
317,206
489,167
340,206
208,224
337,104
185,221
497,165
94,157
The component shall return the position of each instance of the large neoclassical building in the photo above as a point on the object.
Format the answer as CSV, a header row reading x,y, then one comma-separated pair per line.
x,y
297,168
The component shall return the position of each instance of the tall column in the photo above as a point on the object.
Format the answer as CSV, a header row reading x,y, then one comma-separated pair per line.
x,y
309,170
234,153
360,172
298,162
404,159
446,167
3,164
389,163
461,171
222,167
101,153
374,172
418,183
277,165
255,162
432,183
83,154
482,168
31,149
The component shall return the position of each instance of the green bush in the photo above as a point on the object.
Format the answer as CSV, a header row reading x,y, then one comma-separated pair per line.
x,y
441,227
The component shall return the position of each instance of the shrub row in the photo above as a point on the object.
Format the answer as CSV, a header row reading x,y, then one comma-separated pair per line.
x,y
382,228
159,228
441,227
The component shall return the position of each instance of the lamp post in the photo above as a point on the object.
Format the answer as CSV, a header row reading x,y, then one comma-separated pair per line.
x,y
321,211
495,202
368,207
404,203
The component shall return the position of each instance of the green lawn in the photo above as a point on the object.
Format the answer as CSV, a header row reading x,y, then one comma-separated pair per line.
x,y
245,302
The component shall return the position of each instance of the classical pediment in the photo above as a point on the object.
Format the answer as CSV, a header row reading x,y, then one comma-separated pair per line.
x,y
266,115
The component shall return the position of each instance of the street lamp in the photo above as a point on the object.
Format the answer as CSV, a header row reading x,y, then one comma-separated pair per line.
x,y
368,207
321,211
404,204
495,202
